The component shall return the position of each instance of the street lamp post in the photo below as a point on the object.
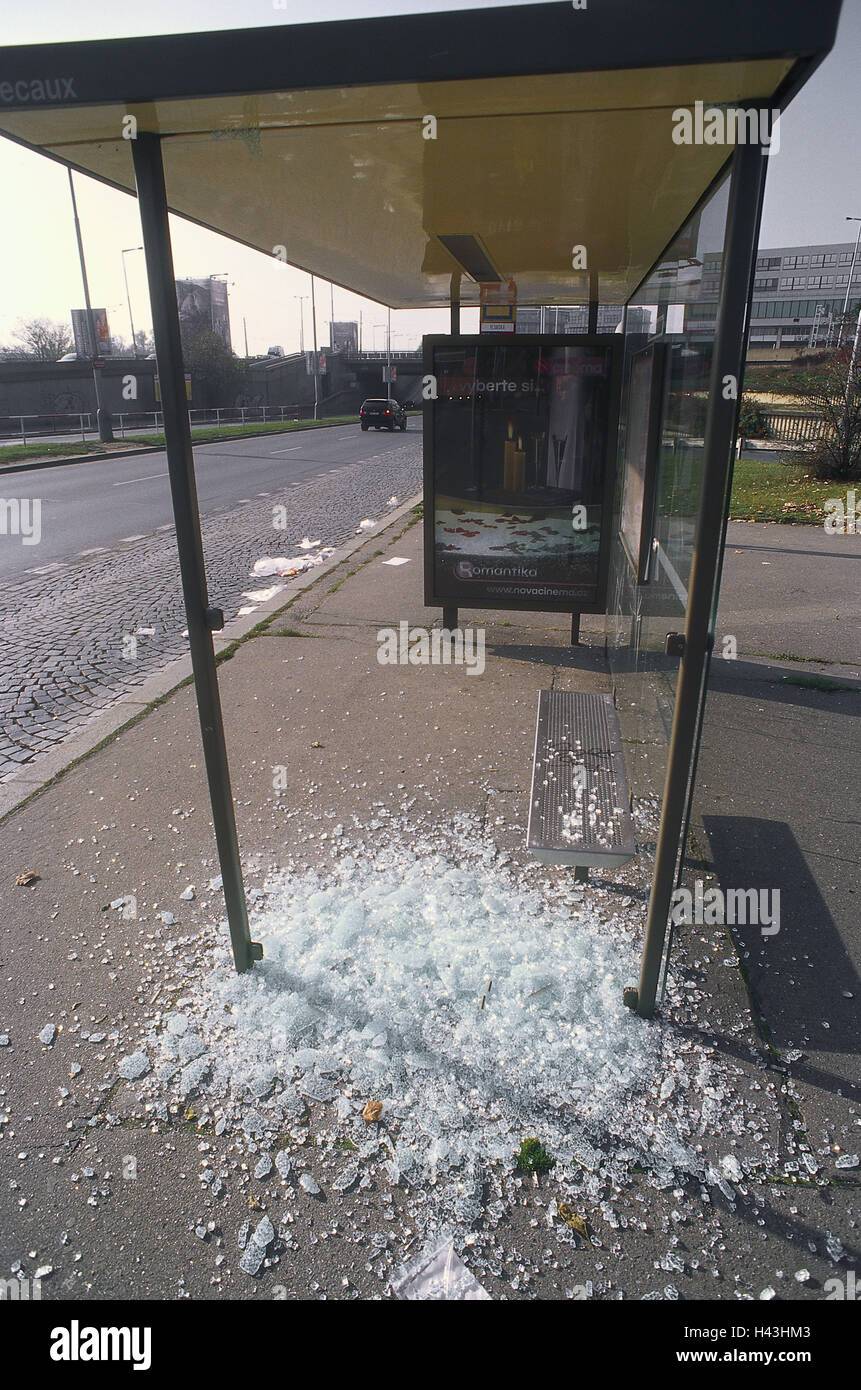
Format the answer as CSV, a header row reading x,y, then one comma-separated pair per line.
x,y
849,283
124,253
388,355
853,361
316,358
106,433
301,298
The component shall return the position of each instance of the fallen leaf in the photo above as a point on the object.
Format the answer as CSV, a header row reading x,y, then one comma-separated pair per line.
x,y
253,1204
572,1220
23,879
372,1111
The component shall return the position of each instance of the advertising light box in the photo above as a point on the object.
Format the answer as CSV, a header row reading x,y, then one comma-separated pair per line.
x,y
519,464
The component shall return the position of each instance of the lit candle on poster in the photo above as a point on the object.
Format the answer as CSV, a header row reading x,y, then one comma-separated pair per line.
x,y
508,460
519,466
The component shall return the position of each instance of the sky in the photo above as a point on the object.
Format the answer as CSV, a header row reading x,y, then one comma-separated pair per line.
x,y
813,184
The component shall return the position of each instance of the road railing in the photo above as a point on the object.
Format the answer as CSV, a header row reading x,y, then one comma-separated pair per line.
x,y
20,428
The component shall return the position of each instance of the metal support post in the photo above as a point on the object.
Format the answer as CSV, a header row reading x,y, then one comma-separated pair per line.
x,y
454,297
202,620
592,324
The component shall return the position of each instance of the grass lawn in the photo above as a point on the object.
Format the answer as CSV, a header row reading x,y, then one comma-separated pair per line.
x,y
765,488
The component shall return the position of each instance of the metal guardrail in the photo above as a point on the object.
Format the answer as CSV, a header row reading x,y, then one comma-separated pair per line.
x,y
380,355
47,424
793,427
24,427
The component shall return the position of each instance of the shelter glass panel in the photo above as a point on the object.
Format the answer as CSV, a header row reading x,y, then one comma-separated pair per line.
x,y
669,344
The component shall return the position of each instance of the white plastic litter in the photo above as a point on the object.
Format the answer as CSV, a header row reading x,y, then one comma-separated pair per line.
x,y
286,565
438,1275
263,595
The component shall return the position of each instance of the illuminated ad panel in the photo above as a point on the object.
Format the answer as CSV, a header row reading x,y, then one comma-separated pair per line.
x,y
519,459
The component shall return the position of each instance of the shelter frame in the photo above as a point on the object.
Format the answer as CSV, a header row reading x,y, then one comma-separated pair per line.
x,y
39,83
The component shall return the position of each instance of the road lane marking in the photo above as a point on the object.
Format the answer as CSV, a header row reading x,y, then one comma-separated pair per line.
x,y
95,550
131,538
291,450
140,480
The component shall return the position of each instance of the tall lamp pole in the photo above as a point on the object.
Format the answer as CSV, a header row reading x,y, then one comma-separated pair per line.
x,y
849,284
124,253
106,433
301,298
388,355
316,358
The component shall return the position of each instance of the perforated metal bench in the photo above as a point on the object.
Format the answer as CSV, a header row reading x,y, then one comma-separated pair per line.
x,y
579,803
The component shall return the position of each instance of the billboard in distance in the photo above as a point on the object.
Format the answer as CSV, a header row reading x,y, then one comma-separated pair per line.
x,y
519,460
203,308
344,337
92,334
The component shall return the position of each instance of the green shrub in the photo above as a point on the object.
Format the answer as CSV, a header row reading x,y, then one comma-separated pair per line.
x,y
751,422
533,1157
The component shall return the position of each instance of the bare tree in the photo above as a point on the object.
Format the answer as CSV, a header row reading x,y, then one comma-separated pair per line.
x,y
43,339
832,391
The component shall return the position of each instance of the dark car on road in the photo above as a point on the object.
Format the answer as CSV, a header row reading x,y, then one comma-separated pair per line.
x,y
382,414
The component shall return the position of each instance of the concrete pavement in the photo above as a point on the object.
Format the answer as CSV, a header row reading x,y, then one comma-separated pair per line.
x,y
132,1190
780,806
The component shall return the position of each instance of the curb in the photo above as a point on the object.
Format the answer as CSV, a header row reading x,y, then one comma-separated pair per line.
x,y
26,467
128,709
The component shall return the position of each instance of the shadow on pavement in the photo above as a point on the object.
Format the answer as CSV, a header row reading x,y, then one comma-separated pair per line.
x,y
797,976
778,684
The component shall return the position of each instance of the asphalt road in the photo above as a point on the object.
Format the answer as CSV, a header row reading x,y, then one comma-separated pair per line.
x,y
89,507
96,606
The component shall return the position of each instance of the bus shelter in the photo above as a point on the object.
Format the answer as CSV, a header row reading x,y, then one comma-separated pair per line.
x,y
603,154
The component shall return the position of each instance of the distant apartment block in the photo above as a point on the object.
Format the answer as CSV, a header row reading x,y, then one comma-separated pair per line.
x,y
798,295
798,298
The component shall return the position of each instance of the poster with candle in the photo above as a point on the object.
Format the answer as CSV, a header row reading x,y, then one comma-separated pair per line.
x,y
518,470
